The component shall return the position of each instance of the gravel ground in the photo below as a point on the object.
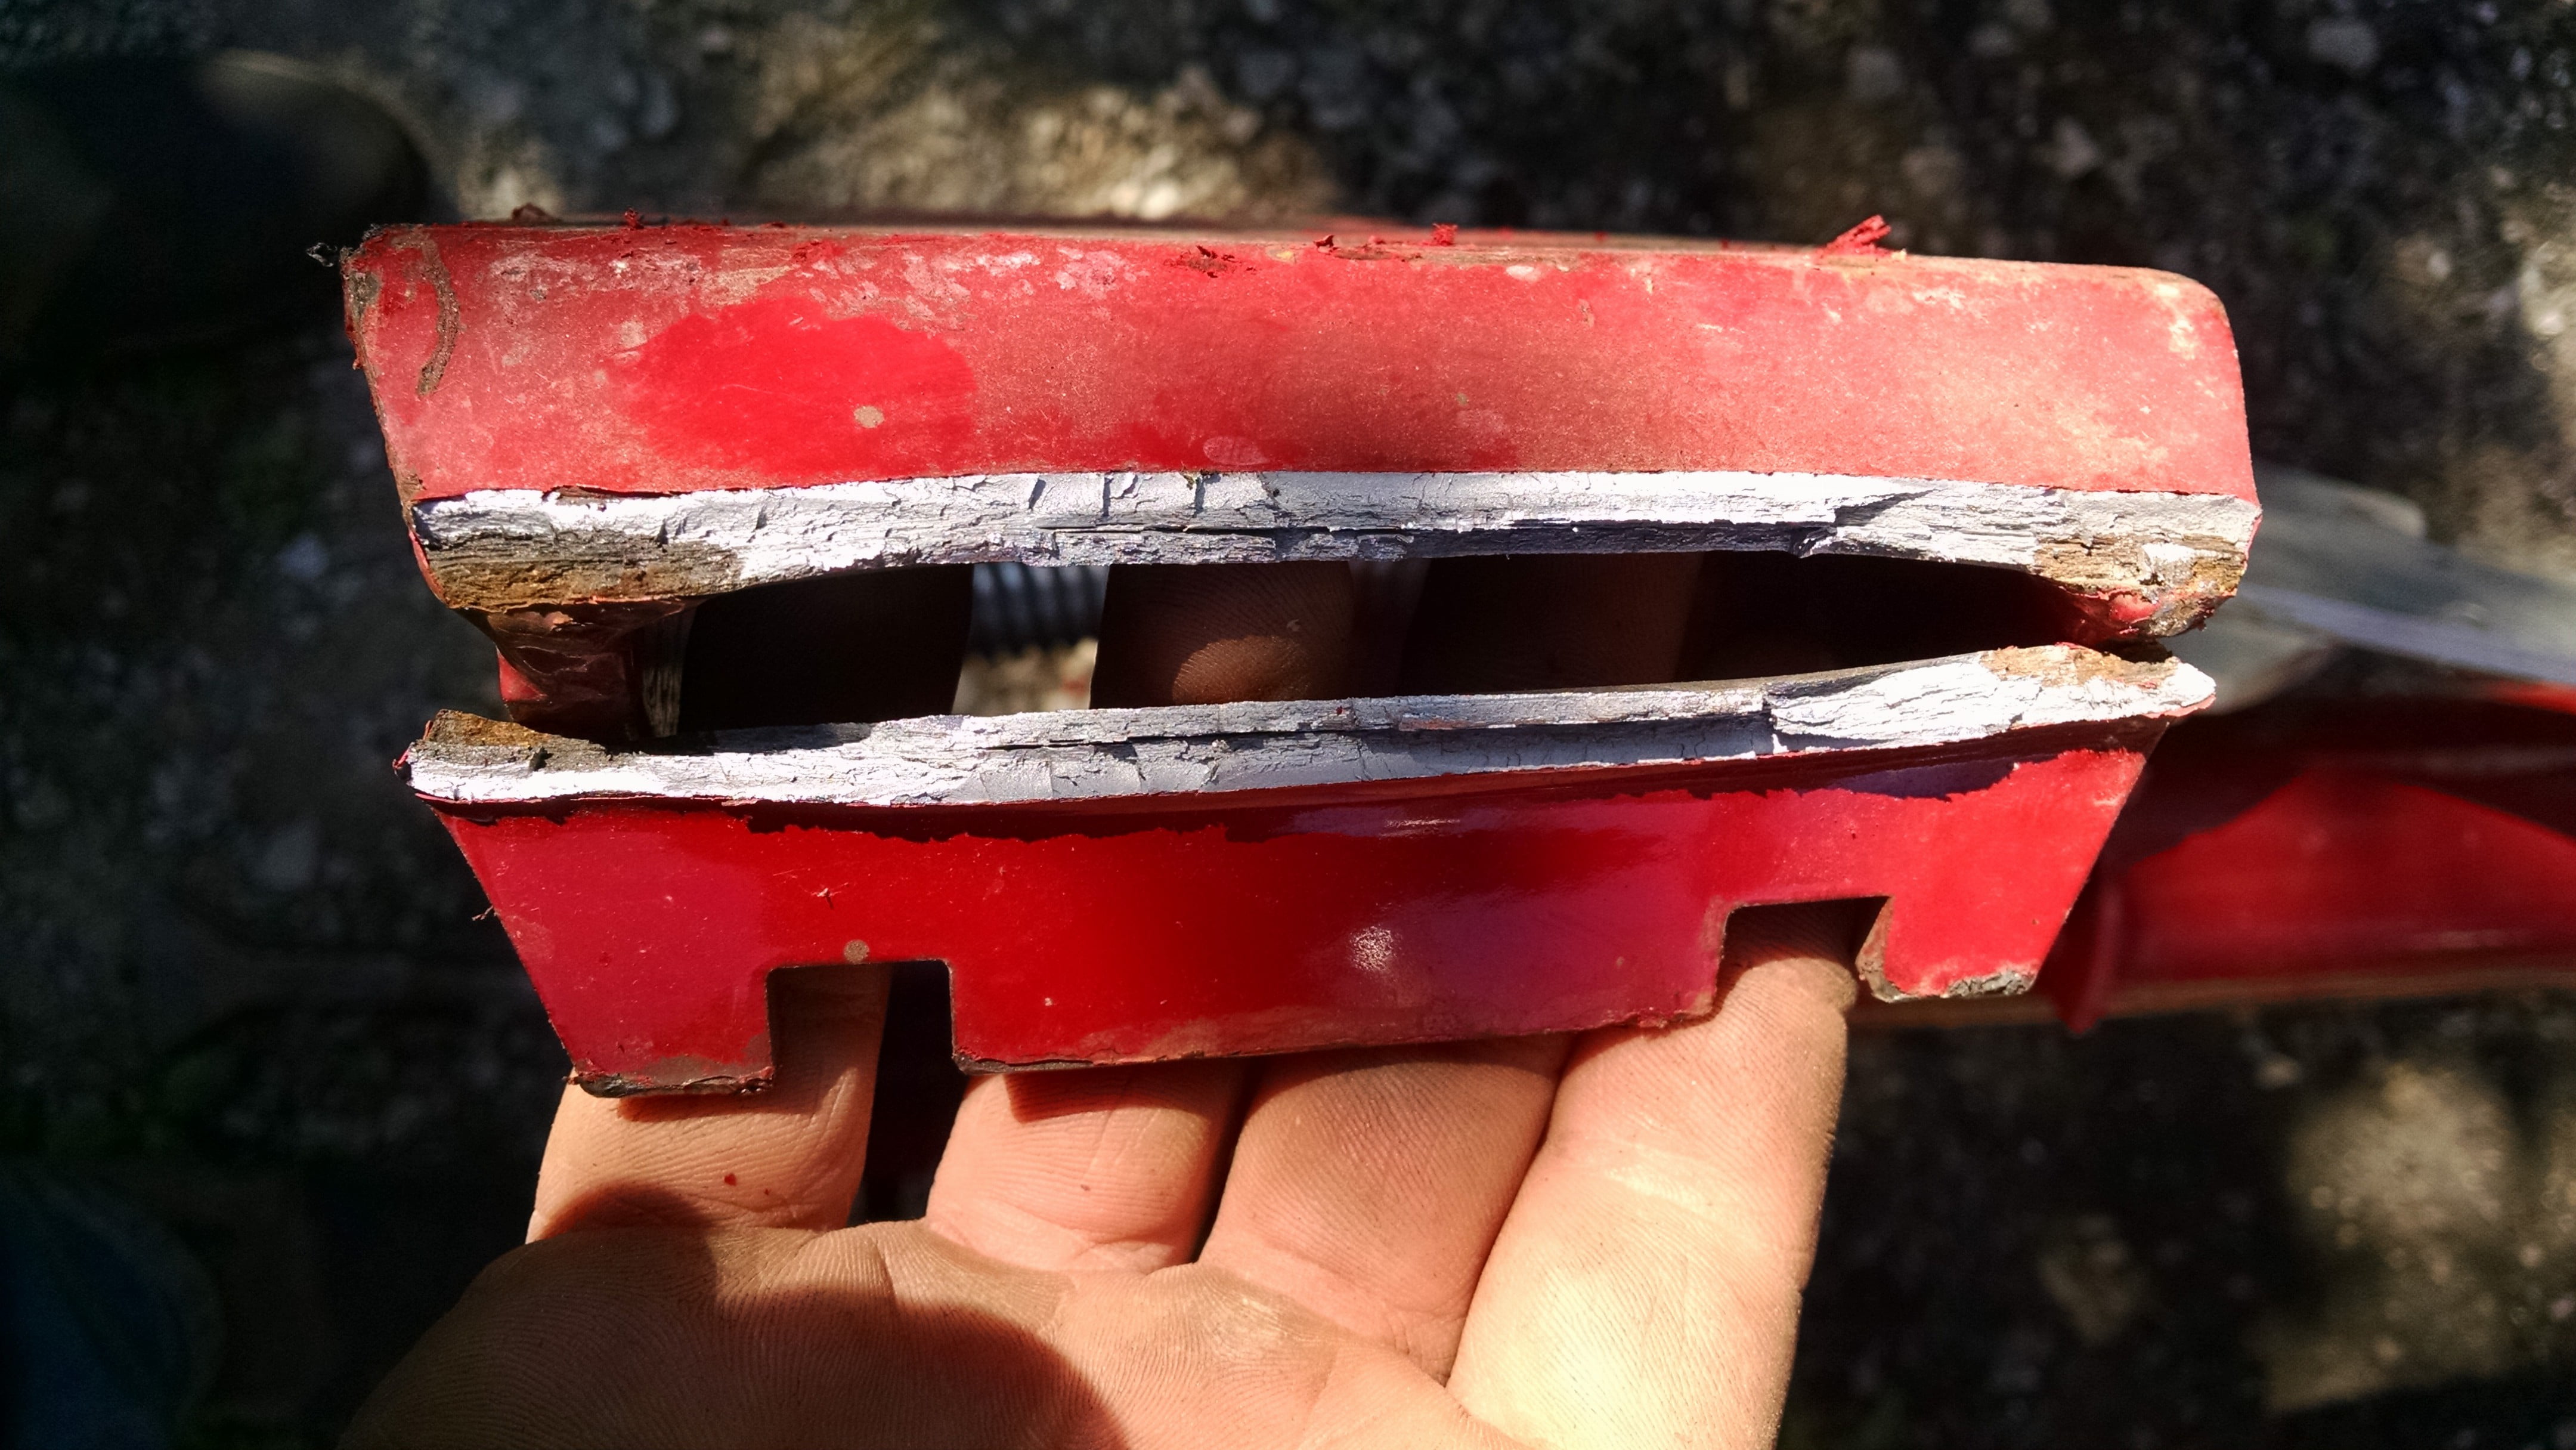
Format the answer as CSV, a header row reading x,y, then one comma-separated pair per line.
x,y
247,981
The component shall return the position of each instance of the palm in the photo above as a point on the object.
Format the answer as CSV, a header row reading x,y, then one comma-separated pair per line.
x,y
1599,1242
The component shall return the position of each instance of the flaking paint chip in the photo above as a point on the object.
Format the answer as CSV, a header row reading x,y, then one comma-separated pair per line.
x,y
869,415
855,952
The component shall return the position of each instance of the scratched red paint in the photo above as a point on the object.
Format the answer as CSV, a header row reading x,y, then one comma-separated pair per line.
x,y
1289,919
1112,350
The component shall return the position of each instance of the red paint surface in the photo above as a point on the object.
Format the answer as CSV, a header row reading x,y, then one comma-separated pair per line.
x,y
673,358
776,386
2335,847
1287,920
2345,867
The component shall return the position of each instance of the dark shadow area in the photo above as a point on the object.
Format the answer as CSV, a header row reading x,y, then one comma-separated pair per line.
x,y
2510,758
605,1337
248,994
2037,1239
1777,614
2004,1136
918,1088
2525,1409
151,202
1838,929
882,645
332,1175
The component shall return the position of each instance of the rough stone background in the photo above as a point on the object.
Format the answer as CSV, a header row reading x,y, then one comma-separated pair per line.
x,y
243,978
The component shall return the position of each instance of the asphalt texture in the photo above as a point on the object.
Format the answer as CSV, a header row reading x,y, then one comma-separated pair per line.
x,y
248,984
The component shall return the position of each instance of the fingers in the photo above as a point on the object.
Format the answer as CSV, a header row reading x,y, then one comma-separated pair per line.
x,y
1115,1168
789,1157
882,1335
1367,1186
1645,1286
1105,1168
1200,634
1550,621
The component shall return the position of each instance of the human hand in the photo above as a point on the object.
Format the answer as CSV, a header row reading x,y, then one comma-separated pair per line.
x,y
1599,1241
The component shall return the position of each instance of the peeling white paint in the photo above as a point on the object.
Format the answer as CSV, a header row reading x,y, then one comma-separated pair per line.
x,y
1196,750
654,545
1963,698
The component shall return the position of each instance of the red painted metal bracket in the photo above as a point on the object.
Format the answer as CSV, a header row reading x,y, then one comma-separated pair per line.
x,y
595,428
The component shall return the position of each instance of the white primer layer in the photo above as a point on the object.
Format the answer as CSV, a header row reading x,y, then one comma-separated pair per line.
x,y
2142,542
1203,749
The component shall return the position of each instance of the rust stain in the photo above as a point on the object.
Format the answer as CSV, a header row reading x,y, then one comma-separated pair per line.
x,y
1308,1029
972,1065
597,671
2109,569
500,578
2005,982
1209,261
676,1075
451,320
455,727
1871,967
2057,666
357,294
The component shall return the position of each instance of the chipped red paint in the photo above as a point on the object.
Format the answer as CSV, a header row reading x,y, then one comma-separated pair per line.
x,y
668,358
1862,240
1280,920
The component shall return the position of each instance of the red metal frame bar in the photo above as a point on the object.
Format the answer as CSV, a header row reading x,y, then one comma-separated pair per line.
x,y
2336,848
1333,916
